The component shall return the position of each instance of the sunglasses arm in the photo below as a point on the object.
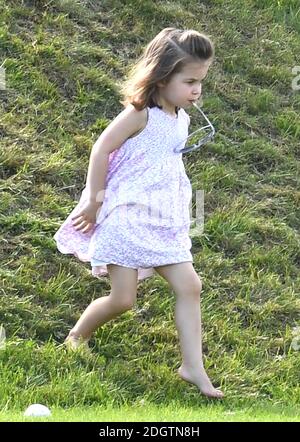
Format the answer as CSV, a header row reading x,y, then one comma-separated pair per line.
x,y
200,142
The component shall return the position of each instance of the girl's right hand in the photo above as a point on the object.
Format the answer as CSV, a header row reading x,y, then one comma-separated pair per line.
x,y
87,216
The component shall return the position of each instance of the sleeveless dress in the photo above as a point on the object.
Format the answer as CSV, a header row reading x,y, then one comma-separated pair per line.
x,y
144,220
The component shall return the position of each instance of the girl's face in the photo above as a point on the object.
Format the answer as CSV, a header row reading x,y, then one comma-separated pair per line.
x,y
184,87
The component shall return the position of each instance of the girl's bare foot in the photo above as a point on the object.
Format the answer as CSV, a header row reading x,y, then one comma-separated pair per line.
x,y
202,381
74,343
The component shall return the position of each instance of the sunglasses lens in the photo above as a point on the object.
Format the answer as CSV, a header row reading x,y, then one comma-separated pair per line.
x,y
198,136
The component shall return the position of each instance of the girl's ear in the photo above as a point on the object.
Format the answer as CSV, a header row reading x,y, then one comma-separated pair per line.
x,y
161,83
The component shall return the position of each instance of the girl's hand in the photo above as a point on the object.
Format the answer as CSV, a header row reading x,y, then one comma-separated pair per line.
x,y
86,218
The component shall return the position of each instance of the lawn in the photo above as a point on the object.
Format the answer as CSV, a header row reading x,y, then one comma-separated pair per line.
x,y
174,412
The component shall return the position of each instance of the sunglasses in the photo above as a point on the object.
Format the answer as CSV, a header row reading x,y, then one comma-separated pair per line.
x,y
197,138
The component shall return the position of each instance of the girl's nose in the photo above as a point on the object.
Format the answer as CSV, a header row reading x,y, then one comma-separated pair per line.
x,y
197,90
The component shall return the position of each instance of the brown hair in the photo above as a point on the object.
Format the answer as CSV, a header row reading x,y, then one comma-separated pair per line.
x,y
164,56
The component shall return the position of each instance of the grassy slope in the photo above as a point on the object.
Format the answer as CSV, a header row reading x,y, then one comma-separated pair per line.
x,y
63,63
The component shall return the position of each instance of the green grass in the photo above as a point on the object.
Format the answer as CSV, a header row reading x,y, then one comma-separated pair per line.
x,y
174,412
64,63
284,11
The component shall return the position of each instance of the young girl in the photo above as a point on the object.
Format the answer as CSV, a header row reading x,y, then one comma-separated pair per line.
x,y
133,214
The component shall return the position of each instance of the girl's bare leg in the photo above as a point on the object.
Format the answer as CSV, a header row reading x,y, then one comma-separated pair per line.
x,y
187,286
122,298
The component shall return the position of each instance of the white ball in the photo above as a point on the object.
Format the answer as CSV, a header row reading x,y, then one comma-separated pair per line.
x,y
37,410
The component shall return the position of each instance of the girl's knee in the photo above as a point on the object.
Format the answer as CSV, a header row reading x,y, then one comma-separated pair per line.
x,y
196,287
123,286
192,288
123,302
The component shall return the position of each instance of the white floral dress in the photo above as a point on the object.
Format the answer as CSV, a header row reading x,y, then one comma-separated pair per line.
x,y
144,221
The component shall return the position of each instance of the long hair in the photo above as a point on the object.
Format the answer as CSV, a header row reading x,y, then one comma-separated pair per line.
x,y
164,56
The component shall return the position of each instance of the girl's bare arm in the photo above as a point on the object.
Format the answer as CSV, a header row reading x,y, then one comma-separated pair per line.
x,y
127,123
